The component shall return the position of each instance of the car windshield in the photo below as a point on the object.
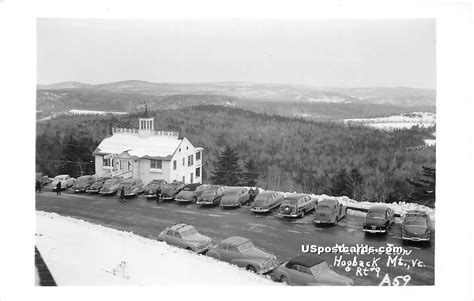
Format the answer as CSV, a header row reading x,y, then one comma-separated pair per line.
x,y
291,202
316,269
110,182
323,208
153,184
83,179
415,221
210,192
376,215
188,232
245,246
59,179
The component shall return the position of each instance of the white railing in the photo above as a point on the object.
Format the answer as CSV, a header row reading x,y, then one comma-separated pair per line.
x,y
136,131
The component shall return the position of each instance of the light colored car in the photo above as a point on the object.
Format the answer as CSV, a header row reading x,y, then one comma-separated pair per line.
x,y
132,187
329,211
416,226
186,237
83,183
308,269
111,186
297,205
66,182
241,252
152,187
235,197
211,196
266,201
379,219
190,193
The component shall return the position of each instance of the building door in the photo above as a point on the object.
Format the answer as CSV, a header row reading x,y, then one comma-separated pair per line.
x,y
191,178
125,165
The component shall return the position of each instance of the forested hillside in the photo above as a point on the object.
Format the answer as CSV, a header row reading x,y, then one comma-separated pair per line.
x,y
290,154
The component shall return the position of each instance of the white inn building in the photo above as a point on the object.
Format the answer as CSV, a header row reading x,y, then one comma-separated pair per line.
x,y
148,154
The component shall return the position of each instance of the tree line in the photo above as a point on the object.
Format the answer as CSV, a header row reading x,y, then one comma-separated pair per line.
x,y
274,152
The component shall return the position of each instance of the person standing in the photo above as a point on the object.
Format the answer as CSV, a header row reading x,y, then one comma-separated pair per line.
x,y
158,194
122,194
38,186
58,188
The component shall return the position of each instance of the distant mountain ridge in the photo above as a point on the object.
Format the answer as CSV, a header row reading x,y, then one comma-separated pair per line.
x,y
398,96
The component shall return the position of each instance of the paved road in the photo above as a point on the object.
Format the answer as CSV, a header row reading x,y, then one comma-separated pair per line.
x,y
282,237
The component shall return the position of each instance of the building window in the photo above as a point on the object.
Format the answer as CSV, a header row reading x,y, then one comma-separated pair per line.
x,y
156,164
106,161
174,165
198,155
190,160
198,172
183,161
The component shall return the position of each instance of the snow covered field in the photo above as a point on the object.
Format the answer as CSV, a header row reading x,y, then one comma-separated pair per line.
x,y
403,121
81,253
88,112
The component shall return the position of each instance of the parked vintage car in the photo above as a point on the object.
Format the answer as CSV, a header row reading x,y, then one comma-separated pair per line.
x,y
82,183
308,269
240,251
152,187
190,193
235,197
379,219
170,190
111,186
132,187
416,226
43,179
211,196
297,205
97,185
266,201
66,182
329,211
186,237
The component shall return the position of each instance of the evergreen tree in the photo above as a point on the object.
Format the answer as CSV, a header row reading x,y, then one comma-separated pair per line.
x,y
227,170
339,184
251,175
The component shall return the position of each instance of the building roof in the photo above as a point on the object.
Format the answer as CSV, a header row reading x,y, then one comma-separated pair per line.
x,y
306,260
162,147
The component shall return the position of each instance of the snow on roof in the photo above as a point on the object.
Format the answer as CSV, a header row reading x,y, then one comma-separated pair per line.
x,y
152,146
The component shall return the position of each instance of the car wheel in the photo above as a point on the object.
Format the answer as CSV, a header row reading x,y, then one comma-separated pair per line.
x,y
284,280
251,268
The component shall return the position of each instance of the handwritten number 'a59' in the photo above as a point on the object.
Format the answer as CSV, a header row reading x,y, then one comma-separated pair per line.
x,y
397,281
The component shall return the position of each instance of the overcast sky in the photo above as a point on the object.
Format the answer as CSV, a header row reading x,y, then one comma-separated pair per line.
x,y
346,53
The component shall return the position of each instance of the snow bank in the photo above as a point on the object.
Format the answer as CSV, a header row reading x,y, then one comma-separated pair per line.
x,y
402,121
81,253
400,208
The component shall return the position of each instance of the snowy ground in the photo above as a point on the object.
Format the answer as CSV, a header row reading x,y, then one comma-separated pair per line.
x,y
80,253
403,121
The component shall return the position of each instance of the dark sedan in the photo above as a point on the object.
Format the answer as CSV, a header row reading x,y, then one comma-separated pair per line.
x,y
416,226
97,185
83,183
379,219
329,211
211,196
111,186
170,190
190,193
152,187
